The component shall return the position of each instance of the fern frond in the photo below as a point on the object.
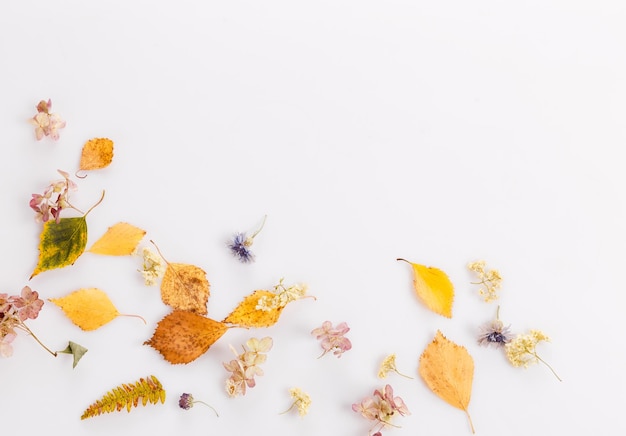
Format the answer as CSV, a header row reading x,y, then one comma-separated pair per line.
x,y
148,390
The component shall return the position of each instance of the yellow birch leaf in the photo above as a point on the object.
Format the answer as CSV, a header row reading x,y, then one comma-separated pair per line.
x,y
247,314
60,244
119,240
182,337
185,287
433,287
448,370
97,153
88,308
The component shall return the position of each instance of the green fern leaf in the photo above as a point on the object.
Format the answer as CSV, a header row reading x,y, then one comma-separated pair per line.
x,y
148,390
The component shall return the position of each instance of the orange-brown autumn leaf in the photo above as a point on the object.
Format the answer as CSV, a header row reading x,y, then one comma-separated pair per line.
x,y
182,337
448,370
97,153
185,287
88,308
433,287
247,314
120,239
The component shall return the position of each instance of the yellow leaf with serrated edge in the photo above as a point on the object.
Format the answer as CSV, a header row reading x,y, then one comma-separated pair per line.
x,y
120,239
88,308
433,287
185,287
448,370
182,337
247,314
97,153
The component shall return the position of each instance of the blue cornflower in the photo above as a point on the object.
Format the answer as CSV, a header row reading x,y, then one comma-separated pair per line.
x,y
240,244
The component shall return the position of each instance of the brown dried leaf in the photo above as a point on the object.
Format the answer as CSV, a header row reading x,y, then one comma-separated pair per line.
x,y
185,287
247,315
182,337
120,239
448,370
97,153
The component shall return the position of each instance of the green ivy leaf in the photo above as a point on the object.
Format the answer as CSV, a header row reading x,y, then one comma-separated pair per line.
x,y
77,350
60,244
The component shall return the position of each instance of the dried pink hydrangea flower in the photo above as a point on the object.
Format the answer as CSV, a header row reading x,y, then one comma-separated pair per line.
x,y
246,366
14,310
381,407
54,199
332,338
46,123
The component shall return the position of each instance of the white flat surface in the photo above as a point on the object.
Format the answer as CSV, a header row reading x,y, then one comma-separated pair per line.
x,y
441,132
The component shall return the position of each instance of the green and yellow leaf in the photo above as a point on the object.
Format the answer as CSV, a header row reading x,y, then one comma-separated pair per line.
x,y
434,288
60,244
120,239
182,336
127,396
246,313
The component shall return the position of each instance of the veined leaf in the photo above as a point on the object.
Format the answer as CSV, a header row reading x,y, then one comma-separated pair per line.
x,y
97,153
185,287
120,239
247,314
126,396
448,370
433,287
60,244
182,337
88,308
76,350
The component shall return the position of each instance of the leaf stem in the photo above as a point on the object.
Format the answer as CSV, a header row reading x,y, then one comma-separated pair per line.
x,y
469,418
208,405
134,316
94,206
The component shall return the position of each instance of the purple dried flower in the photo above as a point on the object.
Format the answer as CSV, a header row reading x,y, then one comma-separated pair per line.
x,y
494,333
186,401
240,244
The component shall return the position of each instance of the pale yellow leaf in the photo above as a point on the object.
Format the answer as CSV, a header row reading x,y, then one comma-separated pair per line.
x,y
120,239
88,308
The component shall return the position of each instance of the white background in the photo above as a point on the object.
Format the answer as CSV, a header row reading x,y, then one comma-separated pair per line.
x,y
442,132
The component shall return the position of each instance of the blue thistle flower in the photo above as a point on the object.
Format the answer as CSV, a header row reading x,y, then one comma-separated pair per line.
x,y
239,247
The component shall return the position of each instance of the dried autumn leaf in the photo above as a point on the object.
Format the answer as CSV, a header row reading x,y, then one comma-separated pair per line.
x,y
185,287
60,244
120,239
247,314
448,370
126,396
182,337
97,153
433,287
88,308
76,350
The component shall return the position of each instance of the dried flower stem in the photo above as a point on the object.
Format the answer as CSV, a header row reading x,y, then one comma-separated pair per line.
x,y
549,367
94,206
30,332
208,405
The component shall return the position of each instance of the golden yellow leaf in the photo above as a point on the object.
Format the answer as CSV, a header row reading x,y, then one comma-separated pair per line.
x,y
97,153
247,314
433,287
182,337
88,308
448,370
119,240
185,287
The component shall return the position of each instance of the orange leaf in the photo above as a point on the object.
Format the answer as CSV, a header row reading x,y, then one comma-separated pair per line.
x,y
88,308
97,153
119,240
434,288
185,287
182,337
448,370
247,315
